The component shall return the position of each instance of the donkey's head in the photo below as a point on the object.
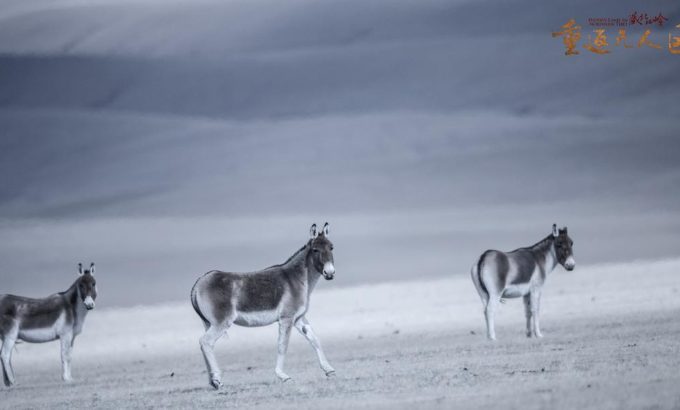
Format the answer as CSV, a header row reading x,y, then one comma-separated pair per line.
x,y
322,252
563,248
87,286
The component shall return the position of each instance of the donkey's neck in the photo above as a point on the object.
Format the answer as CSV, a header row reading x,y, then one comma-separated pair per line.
x,y
77,307
545,252
296,266
296,263
300,268
312,278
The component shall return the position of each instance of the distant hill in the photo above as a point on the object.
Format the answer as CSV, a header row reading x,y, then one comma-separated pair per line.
x,y
162,139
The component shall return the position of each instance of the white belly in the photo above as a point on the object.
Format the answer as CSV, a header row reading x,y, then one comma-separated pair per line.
x,y
38,335
259,318
515,291
42,334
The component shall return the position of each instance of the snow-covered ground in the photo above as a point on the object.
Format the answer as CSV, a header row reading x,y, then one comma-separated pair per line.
x,y
610,342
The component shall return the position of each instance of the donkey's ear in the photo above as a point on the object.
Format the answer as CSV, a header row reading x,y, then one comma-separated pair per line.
x,y
312,231
564,229
92,268
325,229
80,268
555,230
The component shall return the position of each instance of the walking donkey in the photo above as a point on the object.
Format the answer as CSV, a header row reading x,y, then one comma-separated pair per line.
x,y
521,272
59,316
279,293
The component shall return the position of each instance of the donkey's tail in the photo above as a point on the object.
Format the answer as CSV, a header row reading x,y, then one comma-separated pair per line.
x,y
477,280
194,303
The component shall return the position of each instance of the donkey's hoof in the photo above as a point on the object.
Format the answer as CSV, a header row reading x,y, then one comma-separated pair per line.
x,y
216,384
283,377
330,373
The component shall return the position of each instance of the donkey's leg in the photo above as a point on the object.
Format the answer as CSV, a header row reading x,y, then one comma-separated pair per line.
x,y
535,311
285,326
489,313
527,313
303,326
207,343
66,347
6,356
5,379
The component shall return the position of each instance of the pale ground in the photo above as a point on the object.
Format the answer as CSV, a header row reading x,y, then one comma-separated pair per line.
x,y
611,341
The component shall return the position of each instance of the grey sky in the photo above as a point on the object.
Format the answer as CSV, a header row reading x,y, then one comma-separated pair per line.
x,y
164,139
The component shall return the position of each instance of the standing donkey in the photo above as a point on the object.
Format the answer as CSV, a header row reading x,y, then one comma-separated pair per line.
x,y
59,316
521,272
279,293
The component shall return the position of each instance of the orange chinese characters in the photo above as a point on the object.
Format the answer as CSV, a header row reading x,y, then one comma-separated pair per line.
x,y
645,41
598,45
621,38
674,43
571,34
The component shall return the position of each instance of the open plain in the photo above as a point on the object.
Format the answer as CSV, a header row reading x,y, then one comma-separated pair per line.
x,y
611,341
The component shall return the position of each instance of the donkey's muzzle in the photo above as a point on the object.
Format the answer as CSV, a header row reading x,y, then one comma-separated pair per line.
x,y
89,303
328,270
570,263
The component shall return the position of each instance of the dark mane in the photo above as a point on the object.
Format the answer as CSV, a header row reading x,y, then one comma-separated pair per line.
x,y
291,257
538,244
70,288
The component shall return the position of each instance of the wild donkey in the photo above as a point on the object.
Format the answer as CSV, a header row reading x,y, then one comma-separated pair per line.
x,y
521,272
279,293
59,316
